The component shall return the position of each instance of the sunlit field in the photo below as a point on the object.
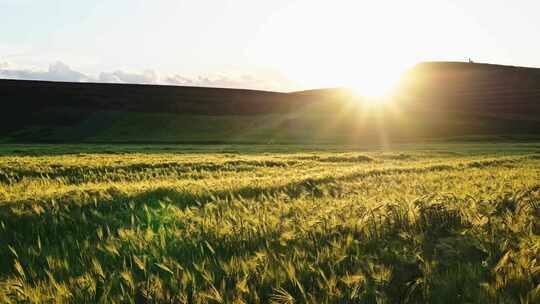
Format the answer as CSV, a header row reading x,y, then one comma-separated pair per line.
x,y
438,223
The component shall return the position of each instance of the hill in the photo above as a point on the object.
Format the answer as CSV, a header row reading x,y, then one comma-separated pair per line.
x,y
433,100
475,87
472,98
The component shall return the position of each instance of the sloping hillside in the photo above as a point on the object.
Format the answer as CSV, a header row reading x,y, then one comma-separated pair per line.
x,y
473,98
433,100
64,103
475,87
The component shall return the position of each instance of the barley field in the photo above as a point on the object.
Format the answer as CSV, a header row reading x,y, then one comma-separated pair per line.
x,y
434,223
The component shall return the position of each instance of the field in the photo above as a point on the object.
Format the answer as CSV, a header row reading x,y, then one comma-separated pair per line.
x,y
437,223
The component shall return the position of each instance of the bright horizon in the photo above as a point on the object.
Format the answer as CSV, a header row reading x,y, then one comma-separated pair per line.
x,y
278,45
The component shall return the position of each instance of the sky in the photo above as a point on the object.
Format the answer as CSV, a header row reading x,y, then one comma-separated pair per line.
x,y
281,45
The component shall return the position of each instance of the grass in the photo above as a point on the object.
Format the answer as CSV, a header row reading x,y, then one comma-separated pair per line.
x,y
438,223
350,123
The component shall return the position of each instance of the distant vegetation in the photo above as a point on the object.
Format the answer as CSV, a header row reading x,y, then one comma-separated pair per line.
x,y
434,100
454,223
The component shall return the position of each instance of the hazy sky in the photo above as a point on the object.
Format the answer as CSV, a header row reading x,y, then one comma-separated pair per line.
x,y
277,45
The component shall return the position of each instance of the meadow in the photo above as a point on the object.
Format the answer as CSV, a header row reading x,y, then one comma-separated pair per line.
x,y
430,223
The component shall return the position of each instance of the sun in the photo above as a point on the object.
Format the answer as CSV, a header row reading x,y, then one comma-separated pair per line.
x,y
374,93
359,53
375,90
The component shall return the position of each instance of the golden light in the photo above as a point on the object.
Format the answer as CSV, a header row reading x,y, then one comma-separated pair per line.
x,y
376,89
377,82
352,49
375,92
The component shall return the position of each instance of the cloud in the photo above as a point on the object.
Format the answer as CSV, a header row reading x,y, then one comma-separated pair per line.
x,y
231,80
60,71
147,77
180,80
213,80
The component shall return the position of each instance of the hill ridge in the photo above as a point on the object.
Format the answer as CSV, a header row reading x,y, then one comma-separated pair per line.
x,y
446,99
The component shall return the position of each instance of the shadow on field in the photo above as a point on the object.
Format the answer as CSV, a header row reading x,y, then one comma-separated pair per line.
x,y
338,159
81,174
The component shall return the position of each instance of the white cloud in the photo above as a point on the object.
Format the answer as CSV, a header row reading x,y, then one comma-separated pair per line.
x,y
231,80
147,77
180,80
60,71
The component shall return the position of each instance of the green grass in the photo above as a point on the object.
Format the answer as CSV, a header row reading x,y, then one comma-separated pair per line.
x,y
348,123
432,222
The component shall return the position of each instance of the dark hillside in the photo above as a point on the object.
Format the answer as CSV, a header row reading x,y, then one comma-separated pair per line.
x,y
472,98
63,103
493,89
433,100
142,98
